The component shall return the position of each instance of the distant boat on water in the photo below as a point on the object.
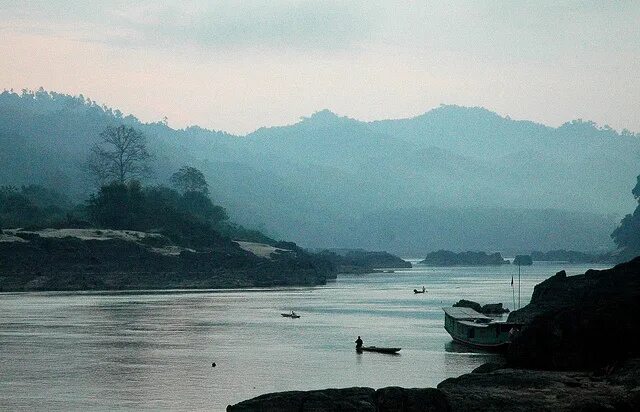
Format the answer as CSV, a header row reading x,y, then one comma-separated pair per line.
x,y
292,315
475,329
379,350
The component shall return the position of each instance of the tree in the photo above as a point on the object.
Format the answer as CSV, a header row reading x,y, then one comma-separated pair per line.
x,y
627,235
190,179
119,206
120,156
636,190
200,206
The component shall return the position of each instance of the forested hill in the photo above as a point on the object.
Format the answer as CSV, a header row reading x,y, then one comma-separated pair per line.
x,y
409,185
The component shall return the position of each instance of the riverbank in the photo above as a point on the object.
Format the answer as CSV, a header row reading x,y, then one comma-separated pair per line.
x,y
99,259
104,259
555,363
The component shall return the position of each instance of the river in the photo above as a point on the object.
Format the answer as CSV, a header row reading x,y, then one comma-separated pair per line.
x,y
154,350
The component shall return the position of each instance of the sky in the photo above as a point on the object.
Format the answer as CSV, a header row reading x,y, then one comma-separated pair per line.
x,y
239,65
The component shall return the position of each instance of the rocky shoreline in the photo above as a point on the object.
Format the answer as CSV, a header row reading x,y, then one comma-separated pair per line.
x,y
577,351
504,389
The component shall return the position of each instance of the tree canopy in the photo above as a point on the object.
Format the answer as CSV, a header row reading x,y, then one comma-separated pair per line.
x,y
189,219
33,205
190,179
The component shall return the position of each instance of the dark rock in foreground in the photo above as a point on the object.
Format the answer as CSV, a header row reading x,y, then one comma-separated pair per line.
x,y
496,389
448,258
532,390
349,399
580,322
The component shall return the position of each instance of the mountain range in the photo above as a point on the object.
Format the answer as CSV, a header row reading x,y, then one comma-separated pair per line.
x,y
461,178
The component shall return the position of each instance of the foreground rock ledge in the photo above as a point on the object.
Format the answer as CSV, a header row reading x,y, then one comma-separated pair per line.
x,y
348,399
499,390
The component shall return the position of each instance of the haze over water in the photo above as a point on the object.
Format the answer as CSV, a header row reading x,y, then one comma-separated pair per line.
x,y
153,350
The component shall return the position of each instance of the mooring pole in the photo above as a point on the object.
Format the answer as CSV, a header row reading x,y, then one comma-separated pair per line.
x,y
518,286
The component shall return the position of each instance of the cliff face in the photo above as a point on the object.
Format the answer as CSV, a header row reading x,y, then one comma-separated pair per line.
x,y
580,322
104,260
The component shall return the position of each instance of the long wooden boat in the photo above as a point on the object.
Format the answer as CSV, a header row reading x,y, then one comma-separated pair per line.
x,y
290,315
377,349
475,329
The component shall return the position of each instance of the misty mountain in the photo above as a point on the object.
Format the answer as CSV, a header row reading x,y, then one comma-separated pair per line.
x,y
455,177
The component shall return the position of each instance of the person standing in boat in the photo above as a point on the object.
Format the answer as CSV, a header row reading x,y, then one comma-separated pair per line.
x,y
358,343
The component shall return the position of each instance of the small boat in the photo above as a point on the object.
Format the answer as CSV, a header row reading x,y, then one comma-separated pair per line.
x,y
377,349
467,326
419,291
290,315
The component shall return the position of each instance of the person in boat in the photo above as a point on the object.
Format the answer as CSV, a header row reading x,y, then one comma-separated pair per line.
x,y
358,343
293,314
423,289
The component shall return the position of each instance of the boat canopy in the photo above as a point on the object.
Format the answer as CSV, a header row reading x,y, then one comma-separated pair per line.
x,y
460,313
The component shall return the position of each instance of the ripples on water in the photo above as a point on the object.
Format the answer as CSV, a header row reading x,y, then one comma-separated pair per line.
x,y
153,350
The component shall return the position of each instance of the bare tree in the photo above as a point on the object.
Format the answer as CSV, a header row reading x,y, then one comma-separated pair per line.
x,y
120,156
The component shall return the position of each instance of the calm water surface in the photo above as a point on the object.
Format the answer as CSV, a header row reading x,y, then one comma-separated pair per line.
x,y
105,351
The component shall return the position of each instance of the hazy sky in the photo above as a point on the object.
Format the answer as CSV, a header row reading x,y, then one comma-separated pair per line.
x,y
238,65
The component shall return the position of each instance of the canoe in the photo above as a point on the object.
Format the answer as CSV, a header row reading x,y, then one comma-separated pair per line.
x,y
380,350
289,315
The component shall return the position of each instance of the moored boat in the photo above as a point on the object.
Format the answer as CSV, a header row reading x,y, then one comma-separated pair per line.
x,y
472,328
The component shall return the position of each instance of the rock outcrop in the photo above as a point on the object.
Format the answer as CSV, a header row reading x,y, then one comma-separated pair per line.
x,y
488,309
533,390
349,399
495,389
580,322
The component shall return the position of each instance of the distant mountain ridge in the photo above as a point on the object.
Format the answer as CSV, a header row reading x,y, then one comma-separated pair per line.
x,y
316,181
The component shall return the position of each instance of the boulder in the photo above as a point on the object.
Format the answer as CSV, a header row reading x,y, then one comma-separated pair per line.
x,y
488,309
493,309
463,303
